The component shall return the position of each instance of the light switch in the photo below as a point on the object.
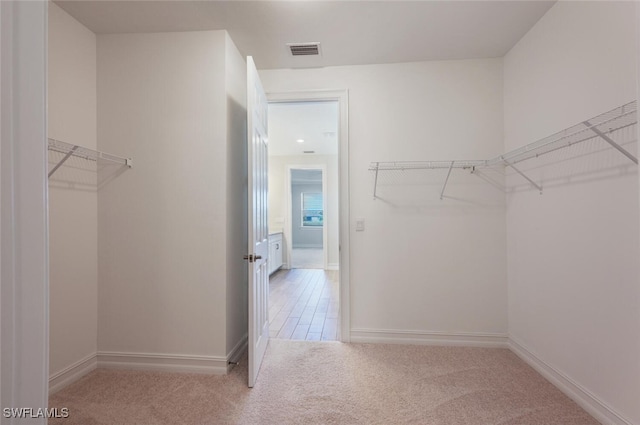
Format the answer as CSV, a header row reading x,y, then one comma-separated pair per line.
x,y
359,224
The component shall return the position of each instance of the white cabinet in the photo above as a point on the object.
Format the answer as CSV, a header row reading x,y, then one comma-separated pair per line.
x,y
275,252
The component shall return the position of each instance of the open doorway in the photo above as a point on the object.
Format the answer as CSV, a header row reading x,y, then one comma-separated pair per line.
x,y
308,230
304,296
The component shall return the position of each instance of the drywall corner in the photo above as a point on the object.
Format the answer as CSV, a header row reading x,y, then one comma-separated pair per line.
x,y
73,198
573,252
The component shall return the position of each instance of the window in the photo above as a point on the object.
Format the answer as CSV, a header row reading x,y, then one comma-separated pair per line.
x,y
312,209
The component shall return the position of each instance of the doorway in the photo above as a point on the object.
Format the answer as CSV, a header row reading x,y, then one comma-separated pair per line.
x,y
304,206
307,190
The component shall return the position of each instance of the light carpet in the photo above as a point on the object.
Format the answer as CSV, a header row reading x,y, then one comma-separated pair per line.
x,y
331,383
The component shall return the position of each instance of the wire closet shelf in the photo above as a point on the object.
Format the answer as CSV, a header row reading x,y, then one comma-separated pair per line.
x,y
601,126
69,150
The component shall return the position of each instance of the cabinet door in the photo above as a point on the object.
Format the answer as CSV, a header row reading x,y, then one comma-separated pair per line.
x,y
272,257
277,257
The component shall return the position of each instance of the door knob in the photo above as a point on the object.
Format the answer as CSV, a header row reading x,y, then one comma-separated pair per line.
x,y
252,257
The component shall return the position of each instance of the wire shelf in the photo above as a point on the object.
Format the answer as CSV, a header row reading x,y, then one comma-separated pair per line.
x,y
597,127
603,127
69,150
423,165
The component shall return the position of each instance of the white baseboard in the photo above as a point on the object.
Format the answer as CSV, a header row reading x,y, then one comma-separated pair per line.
x,y
237,351
72,373
583,397
467,339
333,266
181,363
213,365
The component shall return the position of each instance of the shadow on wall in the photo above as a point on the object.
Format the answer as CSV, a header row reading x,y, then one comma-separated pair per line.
x,y
237,206
590,161
80,174
585,162
418,191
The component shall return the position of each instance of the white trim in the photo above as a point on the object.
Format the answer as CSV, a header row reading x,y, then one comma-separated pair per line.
x,y
72,373
236,352
342,96
24,283
333,266
582,396
413,337
213,365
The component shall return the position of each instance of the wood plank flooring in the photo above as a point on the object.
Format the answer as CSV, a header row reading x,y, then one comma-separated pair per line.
x,y
303,304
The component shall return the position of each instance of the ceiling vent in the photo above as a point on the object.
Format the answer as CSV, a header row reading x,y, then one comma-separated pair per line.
x,y
304,49
308,151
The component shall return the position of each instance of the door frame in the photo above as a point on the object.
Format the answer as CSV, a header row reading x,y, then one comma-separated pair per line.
x,y
288,216
342,97
24,287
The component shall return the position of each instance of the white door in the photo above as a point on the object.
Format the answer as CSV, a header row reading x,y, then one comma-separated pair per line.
x,y
258,231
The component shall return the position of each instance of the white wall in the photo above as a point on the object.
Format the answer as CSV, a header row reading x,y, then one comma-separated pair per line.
x,y
162,225
423,268
573,252
73,199
277,197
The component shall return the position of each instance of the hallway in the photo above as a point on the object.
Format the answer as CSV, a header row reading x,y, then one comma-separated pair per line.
x,y
303,305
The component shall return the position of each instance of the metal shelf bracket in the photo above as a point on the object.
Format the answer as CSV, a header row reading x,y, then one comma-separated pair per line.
x,y
611,142
534,184
375,183
444,186
59,164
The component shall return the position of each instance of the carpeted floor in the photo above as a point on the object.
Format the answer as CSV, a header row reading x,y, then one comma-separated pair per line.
x,y
331,383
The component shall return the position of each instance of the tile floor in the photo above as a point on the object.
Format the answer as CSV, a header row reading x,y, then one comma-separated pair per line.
x,y
307,258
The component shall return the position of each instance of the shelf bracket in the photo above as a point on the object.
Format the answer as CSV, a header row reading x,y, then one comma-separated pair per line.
x,y
59,164
444,186
375,183
611,142
534,184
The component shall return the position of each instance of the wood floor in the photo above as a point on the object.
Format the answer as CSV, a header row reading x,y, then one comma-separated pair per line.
x,y
303,305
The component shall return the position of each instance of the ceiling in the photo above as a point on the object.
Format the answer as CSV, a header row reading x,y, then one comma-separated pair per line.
x,y
314,122
350,32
